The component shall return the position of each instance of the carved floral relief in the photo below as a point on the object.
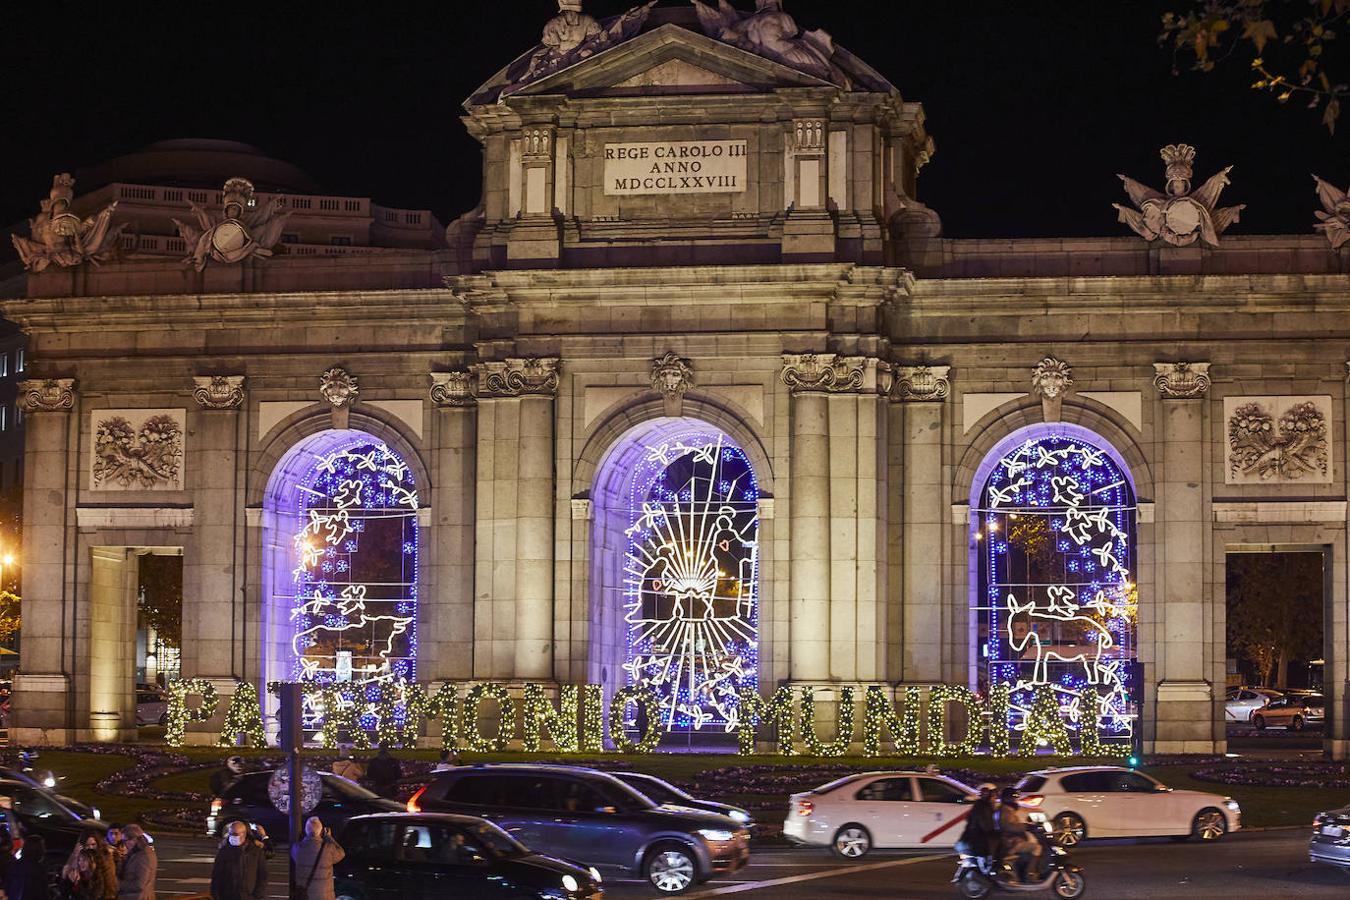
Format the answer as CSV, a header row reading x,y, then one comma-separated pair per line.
x,y
1274,440
137,449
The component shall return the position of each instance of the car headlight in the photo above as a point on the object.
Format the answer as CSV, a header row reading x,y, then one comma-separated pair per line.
x,y
715,834
1232,805
739,817
97,814
570,883
595,875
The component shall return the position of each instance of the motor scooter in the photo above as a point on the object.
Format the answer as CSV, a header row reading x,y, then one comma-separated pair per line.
x,y
978,877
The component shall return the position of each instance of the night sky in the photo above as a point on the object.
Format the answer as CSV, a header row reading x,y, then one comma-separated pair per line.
x,y
1034,105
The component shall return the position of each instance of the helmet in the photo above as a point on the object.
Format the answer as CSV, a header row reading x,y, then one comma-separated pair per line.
x,y
988,789
235,763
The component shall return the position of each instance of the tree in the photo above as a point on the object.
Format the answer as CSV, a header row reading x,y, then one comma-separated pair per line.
x,y
1291,46
161,580
9,616
1275,610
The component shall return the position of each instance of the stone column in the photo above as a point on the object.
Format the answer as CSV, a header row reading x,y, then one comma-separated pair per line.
x,y
1184,714
809,511
514,575
212,600
43,697
922,391
446,642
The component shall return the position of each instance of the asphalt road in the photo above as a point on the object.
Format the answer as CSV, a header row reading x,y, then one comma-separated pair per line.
x,y
1249,864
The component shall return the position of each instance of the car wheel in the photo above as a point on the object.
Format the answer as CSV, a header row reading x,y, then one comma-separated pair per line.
x,y
1070,885
163,720
1209,824
670,868
1259,722
1296,724
349,891
974,886
851,842
1068,829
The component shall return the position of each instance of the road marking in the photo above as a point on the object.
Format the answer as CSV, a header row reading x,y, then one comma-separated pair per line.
x,y
814,876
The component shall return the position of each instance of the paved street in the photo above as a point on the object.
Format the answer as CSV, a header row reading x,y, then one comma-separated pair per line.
x,y
1250,864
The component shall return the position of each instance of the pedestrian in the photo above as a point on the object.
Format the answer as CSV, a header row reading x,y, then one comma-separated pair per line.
x,y
140,866
980,835
448,760
348,768
314,859
1019,846
384,772
116,848
223,779
84,878
240,869
26,875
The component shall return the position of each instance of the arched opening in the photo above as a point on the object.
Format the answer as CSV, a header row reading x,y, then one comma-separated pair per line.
x,y
340,564
676,572
1056,604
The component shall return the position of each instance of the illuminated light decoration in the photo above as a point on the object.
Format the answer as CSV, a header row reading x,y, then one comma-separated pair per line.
x,y
339,710
880,717
1057,607
179,715
939,701
998,703
506,718
593,719
442,705
243,719
354,588
539,715
843,724
691,581
650,704
1090,742
397,709
776,712
1044,725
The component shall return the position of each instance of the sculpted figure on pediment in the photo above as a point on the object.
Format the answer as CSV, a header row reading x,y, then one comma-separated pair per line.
x,y
59,237
770,32
1333,219
1181,216
572,35
243,230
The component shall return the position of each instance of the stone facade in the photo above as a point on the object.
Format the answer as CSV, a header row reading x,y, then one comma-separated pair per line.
x,y
866,366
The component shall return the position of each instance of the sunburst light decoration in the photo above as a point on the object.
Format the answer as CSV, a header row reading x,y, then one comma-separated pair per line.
x,y
691,577
354,609
1055,533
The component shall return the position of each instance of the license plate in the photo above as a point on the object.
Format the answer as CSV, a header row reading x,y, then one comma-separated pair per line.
x,y
1333,831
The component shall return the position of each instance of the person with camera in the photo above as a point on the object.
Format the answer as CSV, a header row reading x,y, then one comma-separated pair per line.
x,y
314,857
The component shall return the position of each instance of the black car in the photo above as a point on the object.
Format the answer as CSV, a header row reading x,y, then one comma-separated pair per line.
x,y
84,810
666,794
593,818
36,810
410,856
248,801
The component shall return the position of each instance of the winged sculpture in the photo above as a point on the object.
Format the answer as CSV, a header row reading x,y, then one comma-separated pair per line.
x,y
772,33
244,229
59,237
1333,219
1180,216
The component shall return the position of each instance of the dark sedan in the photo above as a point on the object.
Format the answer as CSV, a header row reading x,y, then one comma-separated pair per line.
x,y
37,810
414,856
595,819
666,794
1330,842
248,801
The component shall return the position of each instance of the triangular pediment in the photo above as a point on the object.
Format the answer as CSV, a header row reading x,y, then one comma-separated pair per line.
x,y
668,59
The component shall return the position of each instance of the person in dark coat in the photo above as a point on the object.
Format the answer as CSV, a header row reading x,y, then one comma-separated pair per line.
x,y
136,877
223,779
240,869
314,859
384,773
980,837
26,876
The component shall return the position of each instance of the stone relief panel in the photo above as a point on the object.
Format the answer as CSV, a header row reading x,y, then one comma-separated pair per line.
x,y
1278,440
137,449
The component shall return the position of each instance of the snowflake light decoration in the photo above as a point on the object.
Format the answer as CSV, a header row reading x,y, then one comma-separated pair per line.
x,y
691,581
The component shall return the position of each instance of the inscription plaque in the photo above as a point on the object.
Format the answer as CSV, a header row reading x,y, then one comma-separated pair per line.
x,y
675,167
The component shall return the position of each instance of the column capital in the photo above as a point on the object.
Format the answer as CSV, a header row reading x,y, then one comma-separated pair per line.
x,y
218,391
1181,380
829,373
518,378
922,384
453,389
47,395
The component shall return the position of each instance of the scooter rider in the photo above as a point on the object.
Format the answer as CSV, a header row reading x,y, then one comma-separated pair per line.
x,y
980,837
1019,845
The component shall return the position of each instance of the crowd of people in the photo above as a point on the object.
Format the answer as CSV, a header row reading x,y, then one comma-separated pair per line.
x,y
240,868
998,828
117,865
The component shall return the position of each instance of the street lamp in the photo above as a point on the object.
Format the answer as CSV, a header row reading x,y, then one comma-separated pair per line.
x,y
5,562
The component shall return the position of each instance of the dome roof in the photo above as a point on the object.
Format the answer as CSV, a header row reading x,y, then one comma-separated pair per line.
x,y
197,162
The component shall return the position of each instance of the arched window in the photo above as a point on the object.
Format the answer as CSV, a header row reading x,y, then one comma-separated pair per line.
x,y
684,520
345,608
1057,603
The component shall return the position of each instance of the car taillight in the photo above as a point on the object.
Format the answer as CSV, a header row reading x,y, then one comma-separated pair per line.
x,y
216,805
1031,801
413,805
1318,820
805,807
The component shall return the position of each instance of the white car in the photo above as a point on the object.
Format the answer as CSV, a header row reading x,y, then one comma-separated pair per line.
x,y
151,708
1240,703
1109,801
880,810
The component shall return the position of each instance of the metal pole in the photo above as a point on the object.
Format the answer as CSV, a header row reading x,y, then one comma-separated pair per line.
x,y
292,738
